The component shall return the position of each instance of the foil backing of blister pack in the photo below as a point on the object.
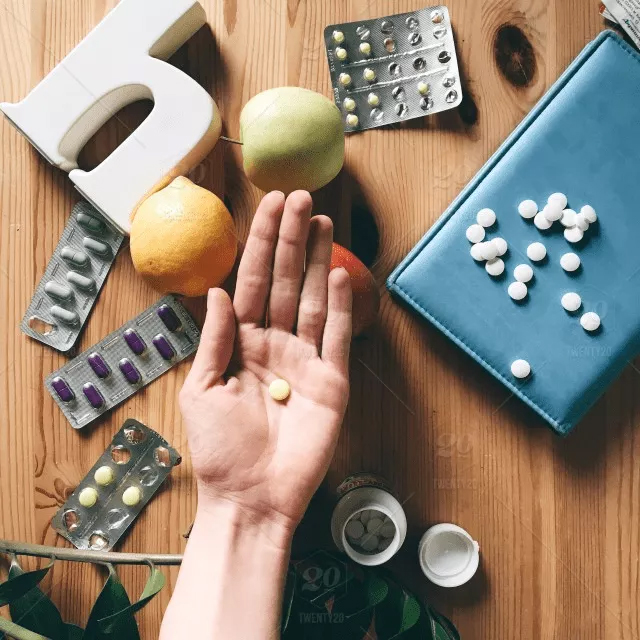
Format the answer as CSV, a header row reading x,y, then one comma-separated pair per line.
x,y
138,458
71,283
393,68
125,361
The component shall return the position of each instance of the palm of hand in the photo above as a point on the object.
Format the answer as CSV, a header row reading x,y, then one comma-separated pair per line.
x,y
269,456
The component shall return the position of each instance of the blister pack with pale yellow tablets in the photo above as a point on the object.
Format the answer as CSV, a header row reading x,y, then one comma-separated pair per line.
x,y
393,68
72,280
117,488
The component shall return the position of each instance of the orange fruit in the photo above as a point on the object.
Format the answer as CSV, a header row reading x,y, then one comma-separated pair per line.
x,y
183,239
366,297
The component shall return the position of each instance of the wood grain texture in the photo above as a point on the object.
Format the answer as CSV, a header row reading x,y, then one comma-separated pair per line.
x,y
557,520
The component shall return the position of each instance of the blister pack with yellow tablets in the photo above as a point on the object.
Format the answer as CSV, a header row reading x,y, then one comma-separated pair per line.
x,y
393,68
116,489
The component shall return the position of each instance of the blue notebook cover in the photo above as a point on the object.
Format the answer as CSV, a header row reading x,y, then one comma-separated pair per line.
x,y
581,139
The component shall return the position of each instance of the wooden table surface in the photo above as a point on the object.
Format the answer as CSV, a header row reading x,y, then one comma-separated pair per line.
x,y
557,520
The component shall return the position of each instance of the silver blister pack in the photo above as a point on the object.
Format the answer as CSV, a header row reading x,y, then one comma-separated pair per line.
x,y
117,488
125,361
72,280
394,68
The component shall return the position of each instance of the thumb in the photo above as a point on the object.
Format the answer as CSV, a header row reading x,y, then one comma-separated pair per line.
x,y
216,341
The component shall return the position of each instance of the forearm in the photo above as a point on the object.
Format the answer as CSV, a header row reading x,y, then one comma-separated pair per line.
x,y
232,577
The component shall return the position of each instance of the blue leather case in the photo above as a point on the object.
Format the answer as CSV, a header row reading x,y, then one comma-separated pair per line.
x,y
582,139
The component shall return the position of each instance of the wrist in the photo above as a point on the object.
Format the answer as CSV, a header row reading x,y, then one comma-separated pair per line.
x,y
239,523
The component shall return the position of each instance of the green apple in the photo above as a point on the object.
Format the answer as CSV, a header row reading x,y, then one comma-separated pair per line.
x,y
292,139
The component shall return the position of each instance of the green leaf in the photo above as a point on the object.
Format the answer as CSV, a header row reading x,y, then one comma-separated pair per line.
x,y
444,629
74,632
35,611
17,586
155,582
112,599
12,630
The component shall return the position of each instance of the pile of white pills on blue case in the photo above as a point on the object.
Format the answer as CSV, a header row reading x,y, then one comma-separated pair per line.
x,y
556,210
370,531
491,250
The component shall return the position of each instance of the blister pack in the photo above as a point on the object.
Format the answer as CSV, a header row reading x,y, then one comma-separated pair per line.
x,y
125,361
393,68
117,488
72,280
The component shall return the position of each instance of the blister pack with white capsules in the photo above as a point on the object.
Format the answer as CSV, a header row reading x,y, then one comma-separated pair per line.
x,y
393,68
116,489
124,362
72,280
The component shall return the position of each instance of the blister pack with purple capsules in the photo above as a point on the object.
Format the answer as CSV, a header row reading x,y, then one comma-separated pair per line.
x,y
393,68
117,488
125,361
69,288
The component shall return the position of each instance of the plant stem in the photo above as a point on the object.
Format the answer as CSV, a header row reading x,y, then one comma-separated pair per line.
x,y
82,555
12,630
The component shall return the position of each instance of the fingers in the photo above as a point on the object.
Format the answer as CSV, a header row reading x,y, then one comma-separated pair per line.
x,y
288,265
337,331
254,272
216,341
312,312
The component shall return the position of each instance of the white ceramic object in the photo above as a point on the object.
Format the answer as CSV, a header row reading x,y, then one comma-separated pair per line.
x,y
448,555
119,62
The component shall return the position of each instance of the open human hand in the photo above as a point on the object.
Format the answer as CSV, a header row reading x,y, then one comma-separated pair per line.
x,y
290,318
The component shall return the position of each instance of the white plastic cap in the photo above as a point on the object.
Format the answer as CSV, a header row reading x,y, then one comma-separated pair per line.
x,y
449,556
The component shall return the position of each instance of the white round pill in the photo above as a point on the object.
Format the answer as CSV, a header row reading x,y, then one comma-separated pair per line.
x,y
354,529
590,321
374,525
574,234
542,222
488,250
352,120
568,218
345,79
571,301
536,251
527,208
552,212
373,99
558,199
486,217
341,53
581,222
523,273
501,245
475,233
131,496
520,368
88,497
369,542
365,48
495,267
589,213
384,544
476,251
423,88
517,290
570,262
365,516
388,529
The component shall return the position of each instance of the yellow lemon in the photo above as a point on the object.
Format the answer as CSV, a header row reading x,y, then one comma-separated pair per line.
x,y
183,239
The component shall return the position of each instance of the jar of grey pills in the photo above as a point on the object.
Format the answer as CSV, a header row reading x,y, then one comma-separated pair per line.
x,y
368,522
